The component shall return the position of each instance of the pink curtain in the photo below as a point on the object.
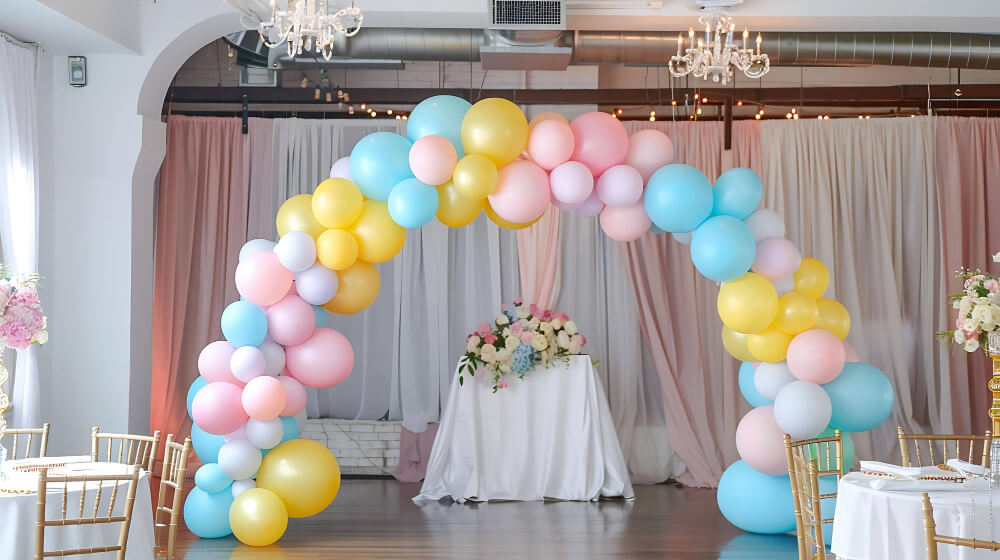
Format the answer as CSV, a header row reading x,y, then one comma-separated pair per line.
x,y
414,451
538,259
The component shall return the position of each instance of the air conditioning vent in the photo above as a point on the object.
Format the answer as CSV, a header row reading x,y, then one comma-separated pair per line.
x,y
527,14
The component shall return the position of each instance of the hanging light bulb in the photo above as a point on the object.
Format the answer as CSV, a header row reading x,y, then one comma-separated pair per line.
x,y
619,110
363,106
652,118
788,115
350,110
404,117
793,110
739,103
652,113
673,102
795,116
698,111
757,116
329,97
316,94
388,111
373,114
340,94
347,97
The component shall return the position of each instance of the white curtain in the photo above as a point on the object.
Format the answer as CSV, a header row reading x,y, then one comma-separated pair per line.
x,y
19,199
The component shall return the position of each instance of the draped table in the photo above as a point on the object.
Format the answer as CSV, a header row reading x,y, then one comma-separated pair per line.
x,y
549,435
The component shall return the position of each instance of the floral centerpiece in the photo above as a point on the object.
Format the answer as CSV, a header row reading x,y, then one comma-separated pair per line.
x,y
978,308
519,339
22,323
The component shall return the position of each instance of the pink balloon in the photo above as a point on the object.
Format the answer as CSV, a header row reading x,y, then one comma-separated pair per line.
x,y
432,159
620,185
522,192
322,361
591,207
601,141
263,398
761,442
649,150
341,168
776,258
213,362
217,408
290,321
817,356
261,279
550,144
850,353
625,223
571,183
564,206
247,362
295,395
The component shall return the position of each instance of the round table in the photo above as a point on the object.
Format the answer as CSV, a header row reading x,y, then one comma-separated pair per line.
x,y
18,502
879,519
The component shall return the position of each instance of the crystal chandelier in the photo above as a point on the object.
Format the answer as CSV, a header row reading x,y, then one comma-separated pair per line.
x,y
717,54
309,25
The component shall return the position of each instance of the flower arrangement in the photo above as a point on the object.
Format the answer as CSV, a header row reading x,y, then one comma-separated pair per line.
x,y
519,339
21,322
978,309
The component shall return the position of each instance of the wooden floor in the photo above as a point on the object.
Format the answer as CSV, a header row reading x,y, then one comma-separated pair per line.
x,y
374,518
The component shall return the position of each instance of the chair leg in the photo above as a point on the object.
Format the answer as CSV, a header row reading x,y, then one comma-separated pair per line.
x,y
171,540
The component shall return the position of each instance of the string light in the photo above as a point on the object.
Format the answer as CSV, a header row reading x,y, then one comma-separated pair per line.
x,y
388,111
329,97
739,103
795,116
619,110
757,116
826,117
673,102
652,117
652,113
364,106
696,96
316,94
793,110
350,110
404,117
788,115
373,114
698,111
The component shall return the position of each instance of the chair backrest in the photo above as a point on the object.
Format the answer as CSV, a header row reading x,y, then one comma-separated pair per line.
x,y
86,514
175,461
26,436
808,461
933,450
932,538
132,450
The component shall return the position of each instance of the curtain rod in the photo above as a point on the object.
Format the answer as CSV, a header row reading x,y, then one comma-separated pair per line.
x,y
15,41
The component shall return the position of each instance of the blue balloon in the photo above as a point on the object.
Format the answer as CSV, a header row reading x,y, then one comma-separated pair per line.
x,y
748,389
440,115
755,502
723,248
207,515
320,316
244,324
750,545
206,446
737,193
412,203
291,429
678,198
862,398
379,162
198,384
210,478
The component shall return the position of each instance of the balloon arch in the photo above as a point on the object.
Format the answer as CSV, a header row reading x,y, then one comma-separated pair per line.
x,y
456,161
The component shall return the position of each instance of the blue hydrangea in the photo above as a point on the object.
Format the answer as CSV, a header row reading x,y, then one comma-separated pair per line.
x,y
510,315
523,359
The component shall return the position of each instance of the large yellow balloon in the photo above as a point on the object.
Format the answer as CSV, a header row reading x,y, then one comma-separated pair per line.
x,y
797,312
258,517
336,203
454,210
336,249
475,177
769,346
379,237
736,344
495,128
546,116
812,278
303,473
833,316
496,219
296,215
748,304
357,288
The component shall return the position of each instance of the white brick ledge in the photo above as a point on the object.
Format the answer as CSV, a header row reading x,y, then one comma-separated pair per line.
x,y
369,447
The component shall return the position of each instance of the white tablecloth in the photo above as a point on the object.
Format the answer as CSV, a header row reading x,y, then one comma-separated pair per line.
x,y
18,517
887,523
549,435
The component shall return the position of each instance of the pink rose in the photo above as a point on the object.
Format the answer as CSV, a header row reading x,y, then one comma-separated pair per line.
x,y
516,329
484,329
580,338
959,324
991,285
547,315
562,316
526,337
973,334
501,384
518,301
490,338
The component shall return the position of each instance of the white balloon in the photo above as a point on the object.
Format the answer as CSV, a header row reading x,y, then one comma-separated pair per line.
x,y
765,224
239,459
317,284
770,378
341,168
296,250
301,419
683,237
274,357
255,245
265,434
247,362
241,486
238,433
784,285
802,409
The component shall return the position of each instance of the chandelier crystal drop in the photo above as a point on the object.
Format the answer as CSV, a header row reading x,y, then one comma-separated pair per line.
x,y
309,25
715,56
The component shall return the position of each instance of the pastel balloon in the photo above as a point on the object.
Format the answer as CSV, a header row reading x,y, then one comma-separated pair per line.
x,y
198,383
550,143
341,169
455,210
296,251
238,433
649,150
304,474
412,203
776,258
322,361
620,185
601,141
817,356
210,478
747,387
797,312
295,395
244,324
765,224
206,446
547,116
241,486
802,409
678,198
359,285
812,278
591,207
625,223
761,442
756,502
722,248
769,379
495,128
254,246
290,321
862,398
379,237
258,517
769,345
247,362
293,426
261,279
440,115
379,162
833,316
571,182
475,177
505,224
296,214
737,193
217,408
336,203
432,159
274,357
336,249
207,515
318,283
239,459
522,194
320,316
736,344
213,362
265,434
263,399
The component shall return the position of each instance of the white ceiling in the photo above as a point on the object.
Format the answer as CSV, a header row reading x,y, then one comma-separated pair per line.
x,y
73,26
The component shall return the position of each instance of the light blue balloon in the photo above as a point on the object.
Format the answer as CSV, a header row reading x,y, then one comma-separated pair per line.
x,y
291,428
210,478
755,502
750,546
440,115
412,203
379,162
244,324
737,193
320,316
206,446
207,515
678,198
748,389
862,398
723,248
198,384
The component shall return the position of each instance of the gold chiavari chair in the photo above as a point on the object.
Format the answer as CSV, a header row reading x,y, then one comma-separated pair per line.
x,y
26,435
932,538
132,450
808,461
86,515
175,461
949,446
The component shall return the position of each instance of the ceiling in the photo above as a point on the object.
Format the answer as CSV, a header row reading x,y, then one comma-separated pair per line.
x,y
74,26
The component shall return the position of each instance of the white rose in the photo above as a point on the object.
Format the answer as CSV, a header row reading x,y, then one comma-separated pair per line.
x,y
548,354
43,337
539,342
996,258
563,339
972,345
504,355
523,313
511,342
525,324
964,306
502,320
570,328
545,327
489,353
472,345
969,325
956,304
533,324
960,337
505,367
574,346
557,323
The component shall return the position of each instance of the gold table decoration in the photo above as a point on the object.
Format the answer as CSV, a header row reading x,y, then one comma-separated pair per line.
x,y
992,350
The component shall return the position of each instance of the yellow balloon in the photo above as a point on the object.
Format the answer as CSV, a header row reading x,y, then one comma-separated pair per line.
x,y
495,128
797,312
748,304
379,237
258,517
475,177
496,219
336,249
357,288
812,278
736,344
771,345
336,203
454,210
303,473
546,116
833,316
296,215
